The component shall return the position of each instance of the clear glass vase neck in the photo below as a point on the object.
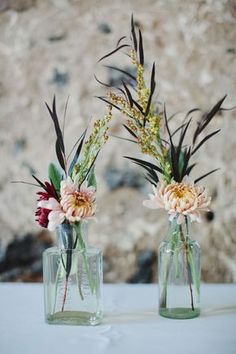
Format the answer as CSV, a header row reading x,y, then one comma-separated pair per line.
x,y
182,231
72,236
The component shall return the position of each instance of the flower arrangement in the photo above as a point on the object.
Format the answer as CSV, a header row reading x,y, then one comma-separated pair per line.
x,y
69,196
66,201
172,152
149,128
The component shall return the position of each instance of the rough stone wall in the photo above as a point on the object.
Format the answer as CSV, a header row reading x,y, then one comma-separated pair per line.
x,y
49,47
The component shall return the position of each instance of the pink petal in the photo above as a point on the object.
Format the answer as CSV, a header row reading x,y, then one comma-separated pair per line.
x,y
67,186
187,180
51,204
180,219
152,204
55,218
195,216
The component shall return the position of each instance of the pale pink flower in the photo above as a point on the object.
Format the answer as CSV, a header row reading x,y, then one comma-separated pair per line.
x,y
180,200
75,205
67,187
56,216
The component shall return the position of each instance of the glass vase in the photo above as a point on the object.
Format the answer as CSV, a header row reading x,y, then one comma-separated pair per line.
x,y
179,271
72,275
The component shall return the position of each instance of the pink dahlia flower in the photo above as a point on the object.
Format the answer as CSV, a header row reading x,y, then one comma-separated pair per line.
x,y
180,200
77,204
74,205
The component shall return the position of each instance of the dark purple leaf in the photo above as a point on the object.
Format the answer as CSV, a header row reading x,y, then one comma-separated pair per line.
x,y
108,102
64,117
189,169
130,131
178,129
121,71
113,51
60,148
60,155
133,33
207,174
78,150
130,99
151,173
23,182
101,83
187,155
181,139
150,181
191,111
207,118
121,138
138,106
173,155
152,89
141,53
145,163
40,183
120,40
204,140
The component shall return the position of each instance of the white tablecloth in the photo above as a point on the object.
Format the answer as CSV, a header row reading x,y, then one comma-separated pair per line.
x,y
131,324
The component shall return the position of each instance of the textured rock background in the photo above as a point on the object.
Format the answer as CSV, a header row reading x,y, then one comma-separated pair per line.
x,y
49,47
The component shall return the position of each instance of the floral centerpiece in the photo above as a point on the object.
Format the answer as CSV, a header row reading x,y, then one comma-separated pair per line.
x,y
66,202
69,195
172,152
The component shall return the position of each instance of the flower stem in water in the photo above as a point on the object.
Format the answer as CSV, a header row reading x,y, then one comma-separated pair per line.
x,y
186,250
65,293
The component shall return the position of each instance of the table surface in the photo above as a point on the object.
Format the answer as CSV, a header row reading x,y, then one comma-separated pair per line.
x,y
131,324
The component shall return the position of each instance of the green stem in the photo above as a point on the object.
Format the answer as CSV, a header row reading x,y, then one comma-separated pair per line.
x,y
83,251
186,249
68,264
79,285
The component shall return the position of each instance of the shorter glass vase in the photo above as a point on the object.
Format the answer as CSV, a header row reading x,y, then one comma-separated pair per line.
x,y
73,285
179,271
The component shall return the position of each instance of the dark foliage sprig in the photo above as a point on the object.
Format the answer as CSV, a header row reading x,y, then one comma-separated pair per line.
x,y
79,164
172,157
60,147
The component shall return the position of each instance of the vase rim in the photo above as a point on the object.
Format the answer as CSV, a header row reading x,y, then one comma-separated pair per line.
x,y
91,250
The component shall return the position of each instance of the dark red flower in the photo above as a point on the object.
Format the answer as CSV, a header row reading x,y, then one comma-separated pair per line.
x,y
49,192
42,213
42,216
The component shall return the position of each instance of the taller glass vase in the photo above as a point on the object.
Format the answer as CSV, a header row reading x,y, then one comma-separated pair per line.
x,y
179,272
72,274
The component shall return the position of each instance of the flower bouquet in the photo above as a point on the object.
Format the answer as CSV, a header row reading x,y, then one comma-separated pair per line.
x,y
168,172
72,271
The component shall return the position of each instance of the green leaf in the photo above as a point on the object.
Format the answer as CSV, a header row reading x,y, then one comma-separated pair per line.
x,y
55,176
92,179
